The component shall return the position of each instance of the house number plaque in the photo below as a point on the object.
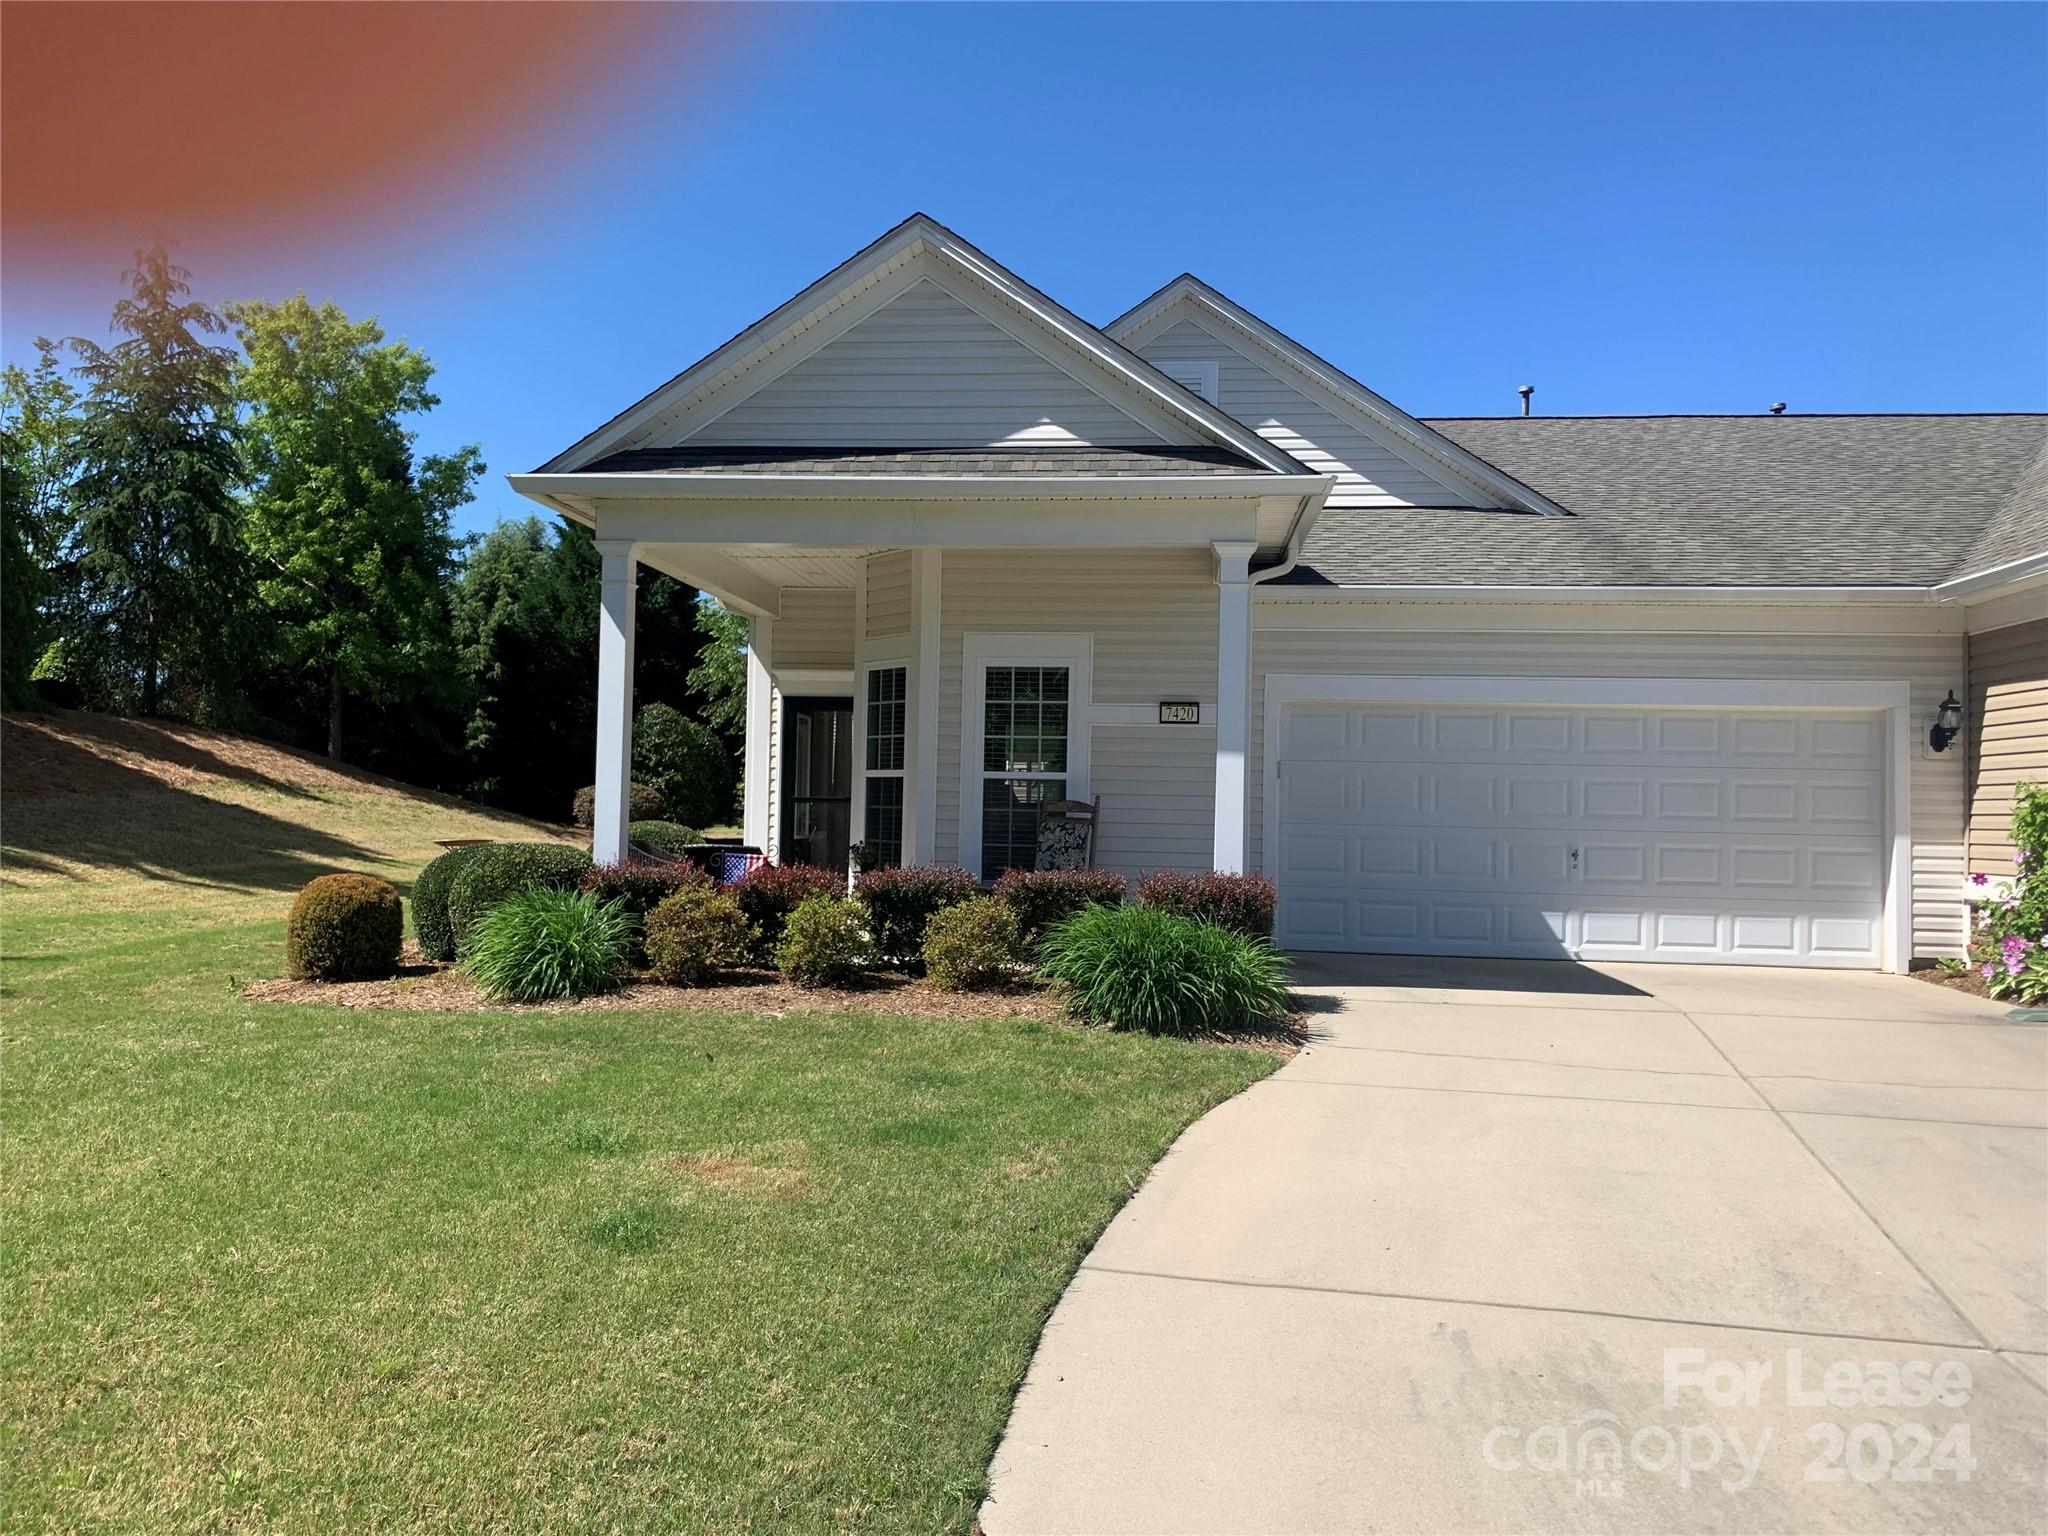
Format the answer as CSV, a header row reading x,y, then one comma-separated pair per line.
x,y
1180,712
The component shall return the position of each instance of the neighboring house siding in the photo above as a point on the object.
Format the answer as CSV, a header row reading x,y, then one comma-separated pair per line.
x,y
815,628
1286,638
923,371
1153,617
1368,473
888,609
2007,732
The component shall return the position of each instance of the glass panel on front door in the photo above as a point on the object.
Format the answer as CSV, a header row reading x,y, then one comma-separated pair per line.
x,y
1023,760
817,781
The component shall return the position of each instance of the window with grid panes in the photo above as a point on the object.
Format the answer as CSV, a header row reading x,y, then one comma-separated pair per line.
x,y
1023,760
882,823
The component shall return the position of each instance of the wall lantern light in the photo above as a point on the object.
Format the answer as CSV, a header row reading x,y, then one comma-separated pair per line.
x,y
1947,722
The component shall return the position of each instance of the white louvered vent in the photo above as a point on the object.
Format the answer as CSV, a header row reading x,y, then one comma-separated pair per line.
x,y
1199,377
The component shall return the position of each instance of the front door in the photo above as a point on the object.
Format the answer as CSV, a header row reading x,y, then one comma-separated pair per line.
x,y
817,781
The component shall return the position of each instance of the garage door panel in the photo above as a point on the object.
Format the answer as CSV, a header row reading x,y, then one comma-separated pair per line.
x,y
1621,834
1668,738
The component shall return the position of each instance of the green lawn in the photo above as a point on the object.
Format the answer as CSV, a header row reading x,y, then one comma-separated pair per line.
x,y
296,1268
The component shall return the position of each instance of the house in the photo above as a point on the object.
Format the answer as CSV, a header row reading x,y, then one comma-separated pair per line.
x,y
1628,688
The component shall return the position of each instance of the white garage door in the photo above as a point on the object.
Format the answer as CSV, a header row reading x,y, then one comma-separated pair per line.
x,y
1608,834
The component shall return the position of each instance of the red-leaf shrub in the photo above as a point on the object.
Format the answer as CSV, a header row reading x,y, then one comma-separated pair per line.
x,y
1043,897
901,901
1242,903
641,884
769,894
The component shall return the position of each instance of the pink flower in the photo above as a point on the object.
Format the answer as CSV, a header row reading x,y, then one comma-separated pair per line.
x,y
1986,970
1980,879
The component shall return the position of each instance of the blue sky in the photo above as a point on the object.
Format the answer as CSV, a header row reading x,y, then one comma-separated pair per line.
x,y
1635,209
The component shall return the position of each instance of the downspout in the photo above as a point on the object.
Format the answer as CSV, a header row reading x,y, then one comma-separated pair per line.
x,y
1297,534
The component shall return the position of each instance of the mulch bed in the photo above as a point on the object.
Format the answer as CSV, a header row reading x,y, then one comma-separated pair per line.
x,y
423,986
1970,980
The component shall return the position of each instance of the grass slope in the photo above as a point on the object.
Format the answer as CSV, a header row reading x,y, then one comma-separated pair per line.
x,y
300,1268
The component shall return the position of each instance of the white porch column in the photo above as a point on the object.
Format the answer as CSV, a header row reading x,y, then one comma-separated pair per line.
x,y
757,817
1233,700
921,780
614,701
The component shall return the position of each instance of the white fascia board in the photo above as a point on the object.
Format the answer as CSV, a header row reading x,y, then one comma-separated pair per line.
x,y
1893,596
1994,582
550,489
1376,409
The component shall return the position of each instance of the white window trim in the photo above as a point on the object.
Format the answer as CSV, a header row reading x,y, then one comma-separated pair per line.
x,y
977,653
861,771
1893,698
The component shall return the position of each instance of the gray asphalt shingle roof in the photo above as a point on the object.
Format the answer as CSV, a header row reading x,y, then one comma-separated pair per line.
x,y
1053,459
1716,501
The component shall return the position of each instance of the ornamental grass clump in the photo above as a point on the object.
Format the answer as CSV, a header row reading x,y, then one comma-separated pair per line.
x,y
541,945
696,933
344,928
824,943
973,945
503,870
900,902
1149,969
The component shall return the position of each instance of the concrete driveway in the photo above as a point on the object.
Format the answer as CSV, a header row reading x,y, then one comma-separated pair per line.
x,y
1549,1247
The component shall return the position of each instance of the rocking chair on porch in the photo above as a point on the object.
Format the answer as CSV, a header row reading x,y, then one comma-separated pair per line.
x,y
1066,834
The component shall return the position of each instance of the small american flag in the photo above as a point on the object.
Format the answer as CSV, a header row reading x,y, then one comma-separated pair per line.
x,y
738,865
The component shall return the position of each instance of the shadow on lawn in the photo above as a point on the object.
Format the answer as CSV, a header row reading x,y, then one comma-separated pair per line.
x,y
116,817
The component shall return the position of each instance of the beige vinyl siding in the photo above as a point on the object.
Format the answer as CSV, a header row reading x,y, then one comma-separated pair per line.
x,y
923,371
1152,614
815,629
1369,474
1290,638
888,609
2007,729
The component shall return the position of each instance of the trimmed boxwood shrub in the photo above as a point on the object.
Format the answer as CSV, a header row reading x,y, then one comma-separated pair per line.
x,y
824,943
1242,903
696,933
539,944
344,928
430,922
642,804
660,839
502,870
770,893
1043,897
1150,969
974,944
901,901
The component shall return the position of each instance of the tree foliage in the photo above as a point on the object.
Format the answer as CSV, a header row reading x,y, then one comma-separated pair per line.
x,y
349,532
720,675
160,575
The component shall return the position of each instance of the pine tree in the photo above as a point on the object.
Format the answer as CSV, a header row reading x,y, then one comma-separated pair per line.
x,y
160,576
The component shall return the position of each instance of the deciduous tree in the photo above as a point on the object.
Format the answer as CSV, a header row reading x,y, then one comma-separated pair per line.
x,y
348,529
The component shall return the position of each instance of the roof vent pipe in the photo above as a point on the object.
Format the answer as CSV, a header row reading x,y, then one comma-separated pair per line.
x,y
1777,408
1525,392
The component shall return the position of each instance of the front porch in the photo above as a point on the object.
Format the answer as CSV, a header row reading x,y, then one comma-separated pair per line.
x,y
926,700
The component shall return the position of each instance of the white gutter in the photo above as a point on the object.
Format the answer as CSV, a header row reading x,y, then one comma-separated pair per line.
x,y
1989,583
742,487
1895,596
